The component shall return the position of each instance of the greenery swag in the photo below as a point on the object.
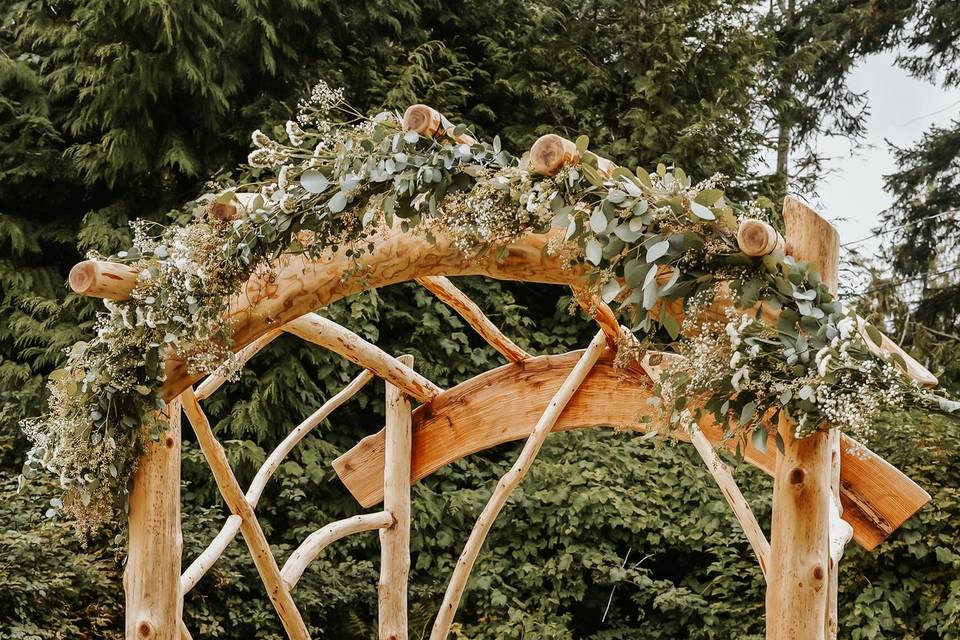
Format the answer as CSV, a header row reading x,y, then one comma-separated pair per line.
x,y
656,243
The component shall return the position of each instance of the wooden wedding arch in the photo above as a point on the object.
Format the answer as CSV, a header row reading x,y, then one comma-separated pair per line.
x,y
822,493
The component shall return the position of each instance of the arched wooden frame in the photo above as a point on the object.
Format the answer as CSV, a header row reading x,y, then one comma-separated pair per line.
x,y
558,392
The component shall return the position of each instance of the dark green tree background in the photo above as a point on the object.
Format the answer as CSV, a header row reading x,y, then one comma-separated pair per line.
x,y
111,110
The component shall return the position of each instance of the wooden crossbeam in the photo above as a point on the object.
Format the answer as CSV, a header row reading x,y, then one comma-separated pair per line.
x,y
503,404
199,567
256,541
457,300
509,482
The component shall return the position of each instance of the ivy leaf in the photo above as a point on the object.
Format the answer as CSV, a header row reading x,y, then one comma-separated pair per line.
x,y
314,181
657,250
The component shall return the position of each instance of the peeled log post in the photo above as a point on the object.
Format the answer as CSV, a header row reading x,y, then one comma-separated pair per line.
x,y
509,482
151,580
798,590
395,540
758,238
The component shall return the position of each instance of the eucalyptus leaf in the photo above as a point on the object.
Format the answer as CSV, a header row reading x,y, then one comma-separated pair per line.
x,y
313,181
657,251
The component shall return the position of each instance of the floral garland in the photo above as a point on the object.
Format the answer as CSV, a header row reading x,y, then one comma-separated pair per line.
x,y
657,244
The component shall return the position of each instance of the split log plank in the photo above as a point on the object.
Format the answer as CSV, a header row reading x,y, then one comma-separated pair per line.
x,y
509,482
256,541
503,404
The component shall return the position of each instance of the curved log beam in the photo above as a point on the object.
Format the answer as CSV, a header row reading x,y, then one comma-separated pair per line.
x,y
320,539
503,404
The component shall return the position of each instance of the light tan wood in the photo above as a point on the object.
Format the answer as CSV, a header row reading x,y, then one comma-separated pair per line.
x,y
914,369
734,497
263,558
603,315
320,539
103,279
214,381
428,122
509,482
798,588
503,404
298,285
551,153
184,632
205,561
151,579
330,335
395,539
457,300
758,238
199,567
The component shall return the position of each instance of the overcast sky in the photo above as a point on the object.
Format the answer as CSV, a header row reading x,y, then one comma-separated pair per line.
x,y
901,109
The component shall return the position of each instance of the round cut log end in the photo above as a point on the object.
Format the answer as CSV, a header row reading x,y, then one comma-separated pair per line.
x,y
223,211
757,238
423,119
83,276
551,152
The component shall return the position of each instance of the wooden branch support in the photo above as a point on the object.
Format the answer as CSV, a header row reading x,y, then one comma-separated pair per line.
x,y
214,381
395,539
758,238
732,494
215,549
798,589
602,314
509,482
457,300
320,539
428,122
330,335
263,558
151,579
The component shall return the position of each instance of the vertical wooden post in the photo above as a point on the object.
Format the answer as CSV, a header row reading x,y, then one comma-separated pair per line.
x,y
395,540
798,589
151,580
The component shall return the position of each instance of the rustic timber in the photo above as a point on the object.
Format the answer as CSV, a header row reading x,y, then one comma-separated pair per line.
x,y
330,335
151,579
263,558
798,588
428,122
509,482
103,279
503,404
199,567
457,300
395,539
758,238
322,538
